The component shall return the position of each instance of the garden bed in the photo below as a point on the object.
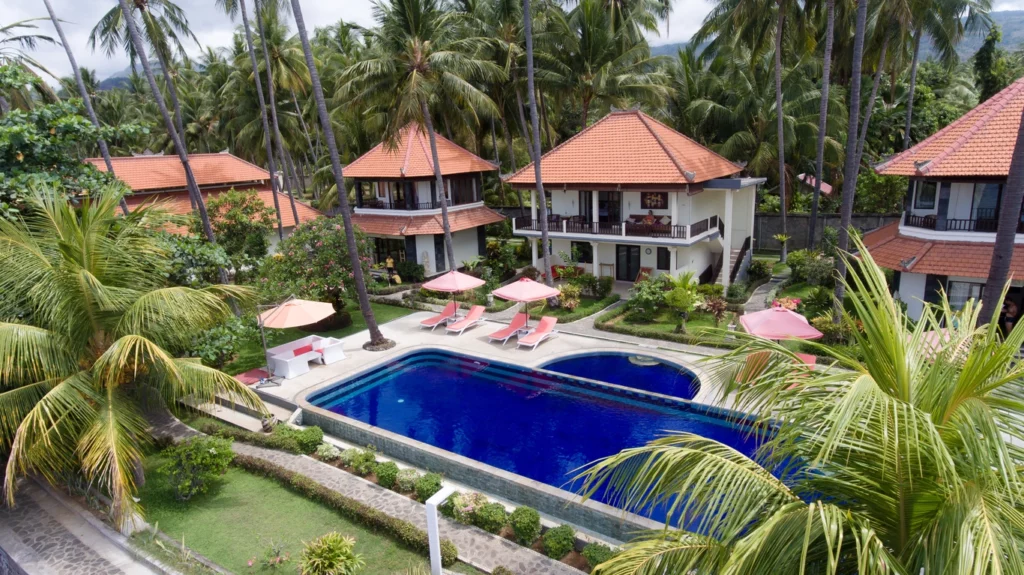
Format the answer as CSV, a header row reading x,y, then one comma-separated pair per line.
x,y
664,329
588,306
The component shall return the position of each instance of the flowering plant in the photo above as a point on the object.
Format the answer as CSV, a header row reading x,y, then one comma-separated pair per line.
x,y
790,303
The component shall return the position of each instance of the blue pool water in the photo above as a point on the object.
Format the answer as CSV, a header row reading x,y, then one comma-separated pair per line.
x,y
537,424
615,367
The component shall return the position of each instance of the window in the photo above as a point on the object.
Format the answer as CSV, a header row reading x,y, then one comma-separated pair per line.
x,y
384,247
960,292
462,190
583,251
986,201
664,259
925,199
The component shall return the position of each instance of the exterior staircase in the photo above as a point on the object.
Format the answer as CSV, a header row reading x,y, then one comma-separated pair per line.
x,y
733,255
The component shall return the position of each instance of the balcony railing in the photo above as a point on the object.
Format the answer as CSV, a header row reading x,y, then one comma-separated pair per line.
x,y
985,220
376,204
576,225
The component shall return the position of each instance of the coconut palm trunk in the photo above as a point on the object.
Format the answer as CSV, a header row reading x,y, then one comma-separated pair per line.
x,y
439,182
84,93
779,126
305,129
512,157
523,127
913,87
497,162
271,101
819,160
1006,231
852,167
535,125
274,184
377,339
866,123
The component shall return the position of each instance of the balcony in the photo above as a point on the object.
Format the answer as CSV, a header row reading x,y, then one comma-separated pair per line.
x,y
985,220
576,225
377,204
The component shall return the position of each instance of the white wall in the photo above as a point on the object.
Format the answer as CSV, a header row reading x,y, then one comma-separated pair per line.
x,y
694,258
425,254
961,196
631,206
743,203
565,202
466,245
706,204
911,292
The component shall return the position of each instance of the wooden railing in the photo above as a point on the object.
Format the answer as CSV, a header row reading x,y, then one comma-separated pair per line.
x,y
376,204
739,260
573,225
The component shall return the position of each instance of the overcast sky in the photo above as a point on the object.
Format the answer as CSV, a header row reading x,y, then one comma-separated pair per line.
x,y
214,29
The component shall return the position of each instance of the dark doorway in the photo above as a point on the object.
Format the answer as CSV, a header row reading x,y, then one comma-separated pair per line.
x,y
627,262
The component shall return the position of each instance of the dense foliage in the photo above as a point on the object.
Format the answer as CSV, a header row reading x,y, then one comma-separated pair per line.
x,y
195,463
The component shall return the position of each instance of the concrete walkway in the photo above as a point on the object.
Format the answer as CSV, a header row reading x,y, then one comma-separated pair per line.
x,y
476,547
44,536
759,299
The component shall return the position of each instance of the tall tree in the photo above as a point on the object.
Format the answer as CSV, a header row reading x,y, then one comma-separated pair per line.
x,y
780,128
826,68
84,93
852,167
377,339
870,106
1006,231
542,207
231,7
16,40
990,70
417,57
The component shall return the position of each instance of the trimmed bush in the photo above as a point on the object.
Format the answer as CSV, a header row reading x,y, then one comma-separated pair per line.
x,y
597,553
525,522
490,517
737,290
462,507
427,486
364,462
328,452
759,269
559,541
307,439
410,272
349,456
820,271
276,441
502,570
404,532
711,290
406,480
331,554
195,463
387,474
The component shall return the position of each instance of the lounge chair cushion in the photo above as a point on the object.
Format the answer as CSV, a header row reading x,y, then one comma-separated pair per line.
x,y
302,350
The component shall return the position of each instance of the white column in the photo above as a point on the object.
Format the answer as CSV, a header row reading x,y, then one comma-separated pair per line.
x,y
594,215
533,205
597,260
533,250
727,238
433,533
673,259
673,206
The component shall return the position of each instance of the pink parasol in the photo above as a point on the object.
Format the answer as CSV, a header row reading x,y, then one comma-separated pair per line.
x,y
778,323
526,290
453,281
296,312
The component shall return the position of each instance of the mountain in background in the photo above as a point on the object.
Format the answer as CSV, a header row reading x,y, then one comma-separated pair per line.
x,y
120,79
1011,22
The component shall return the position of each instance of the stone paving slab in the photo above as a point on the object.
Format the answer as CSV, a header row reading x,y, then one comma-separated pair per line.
x,y
476,547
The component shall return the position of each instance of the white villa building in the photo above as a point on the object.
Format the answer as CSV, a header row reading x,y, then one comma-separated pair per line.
x,y
631,195
946,236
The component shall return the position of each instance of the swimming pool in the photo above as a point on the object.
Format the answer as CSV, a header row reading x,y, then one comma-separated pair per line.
x,y
630,370
534,423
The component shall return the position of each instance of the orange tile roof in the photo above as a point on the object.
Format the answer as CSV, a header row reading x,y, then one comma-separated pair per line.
x,y
969,259
978,144
178,203
145,173
412,158
458,220
624,148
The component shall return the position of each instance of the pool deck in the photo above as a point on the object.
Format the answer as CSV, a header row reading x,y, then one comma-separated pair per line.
x,y
568,340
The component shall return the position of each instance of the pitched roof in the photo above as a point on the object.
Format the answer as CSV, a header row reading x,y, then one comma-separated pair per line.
x,y
145,173
412,158
980,143
902,253
809,181
430,224
178,203
627,147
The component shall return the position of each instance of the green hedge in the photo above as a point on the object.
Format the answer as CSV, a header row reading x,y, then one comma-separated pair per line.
x,y
406,533
270,441
604,323
578,313
379,289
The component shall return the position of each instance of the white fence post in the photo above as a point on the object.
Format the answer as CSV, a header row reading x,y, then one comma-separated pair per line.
x,y
433,536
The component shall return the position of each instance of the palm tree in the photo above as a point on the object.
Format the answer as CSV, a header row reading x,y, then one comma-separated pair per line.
x,y
96,341
84,93
416,59
826,68
900,463
535,124
231,7
16,40
377,339
779,130
1006,230
852,167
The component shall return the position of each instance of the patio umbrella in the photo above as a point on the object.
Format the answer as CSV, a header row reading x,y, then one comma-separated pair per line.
x,y
292,313
454,282
778,323
524,291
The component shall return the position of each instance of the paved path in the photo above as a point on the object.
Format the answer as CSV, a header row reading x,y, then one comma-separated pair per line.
x,y
758,300
43,536
476,547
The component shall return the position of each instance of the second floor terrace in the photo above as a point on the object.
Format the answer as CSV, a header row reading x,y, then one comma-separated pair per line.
x,y
941,209
417,195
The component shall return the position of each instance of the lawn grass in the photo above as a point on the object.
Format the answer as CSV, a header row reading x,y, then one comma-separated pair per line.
x,y
797,290
777,266
250,354
665,322
243,515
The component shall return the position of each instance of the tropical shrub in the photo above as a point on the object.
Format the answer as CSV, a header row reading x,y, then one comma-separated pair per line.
x,y
406,480
820,271
737,290
818,302
597,553
387,474
270,441
717,307
241,222
797,262
308,439
706,291
761,269
646,296
559,541
569,296
194,262
196,462
525,522
349,456
427,486
330,554
830,240
217,345
832,332
531,273
490,517
410,272
502,570
588,284
361,461
501,256
328,452
464,506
